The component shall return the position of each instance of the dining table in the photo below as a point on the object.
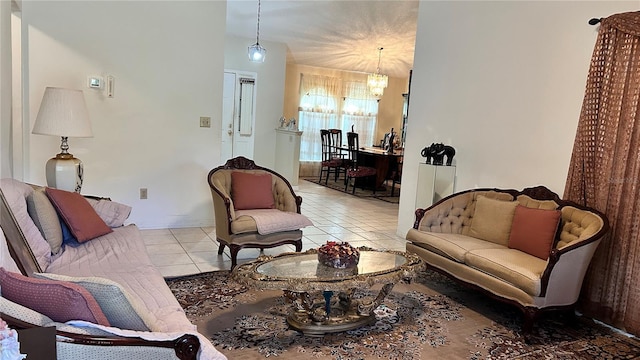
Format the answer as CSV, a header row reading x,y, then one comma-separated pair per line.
x,y
382,160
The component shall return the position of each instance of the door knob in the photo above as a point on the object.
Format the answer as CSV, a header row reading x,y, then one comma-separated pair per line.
x,y
229,132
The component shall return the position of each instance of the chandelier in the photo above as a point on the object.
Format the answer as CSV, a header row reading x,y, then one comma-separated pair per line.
x,y
377,82
256,51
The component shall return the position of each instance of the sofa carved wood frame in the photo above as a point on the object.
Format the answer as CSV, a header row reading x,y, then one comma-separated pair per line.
x,y
186,347
531,313
226,239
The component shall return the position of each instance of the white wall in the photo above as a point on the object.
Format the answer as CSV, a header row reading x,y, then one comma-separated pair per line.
x,y
269,91
5,89
503,83
167,60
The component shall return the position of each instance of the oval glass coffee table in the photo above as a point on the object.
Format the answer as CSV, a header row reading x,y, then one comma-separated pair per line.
x,y
322,296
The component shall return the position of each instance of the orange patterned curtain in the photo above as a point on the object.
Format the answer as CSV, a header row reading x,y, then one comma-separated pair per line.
x,y
604,172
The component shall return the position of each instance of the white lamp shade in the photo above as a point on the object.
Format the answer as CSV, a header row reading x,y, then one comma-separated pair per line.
x,y
63,112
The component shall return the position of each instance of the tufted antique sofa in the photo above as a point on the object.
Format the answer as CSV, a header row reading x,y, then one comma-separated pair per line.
x,y
270,212
457,237
145,321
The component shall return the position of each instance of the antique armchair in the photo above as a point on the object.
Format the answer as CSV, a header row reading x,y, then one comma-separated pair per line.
x,y
254,207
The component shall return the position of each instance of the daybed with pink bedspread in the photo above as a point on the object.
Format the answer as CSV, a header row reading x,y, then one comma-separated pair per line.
x,y
143,318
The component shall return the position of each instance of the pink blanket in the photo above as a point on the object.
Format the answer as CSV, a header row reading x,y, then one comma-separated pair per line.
x,y
270,221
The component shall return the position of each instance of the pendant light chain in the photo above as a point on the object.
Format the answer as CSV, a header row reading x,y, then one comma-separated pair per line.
x,y
256,52
258,26
379,56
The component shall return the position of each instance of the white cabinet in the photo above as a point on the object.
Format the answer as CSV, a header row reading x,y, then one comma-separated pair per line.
x,y
434,183
288,154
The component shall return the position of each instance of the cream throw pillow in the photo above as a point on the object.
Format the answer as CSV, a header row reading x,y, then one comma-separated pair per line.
x,y
45,217
492,220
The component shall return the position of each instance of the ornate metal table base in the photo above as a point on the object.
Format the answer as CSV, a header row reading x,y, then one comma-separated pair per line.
x,y
302,277
317,317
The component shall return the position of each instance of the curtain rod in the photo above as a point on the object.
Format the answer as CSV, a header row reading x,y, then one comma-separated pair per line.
x,y
595,21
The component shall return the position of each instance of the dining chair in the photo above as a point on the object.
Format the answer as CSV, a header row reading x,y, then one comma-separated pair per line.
x,y
396,175
354,170
333,159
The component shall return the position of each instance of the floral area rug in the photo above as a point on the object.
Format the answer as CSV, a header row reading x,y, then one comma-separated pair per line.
x,y
432,317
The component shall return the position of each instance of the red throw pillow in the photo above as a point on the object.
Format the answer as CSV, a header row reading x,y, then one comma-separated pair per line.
x,y
534,230
61,301
83,221
251,191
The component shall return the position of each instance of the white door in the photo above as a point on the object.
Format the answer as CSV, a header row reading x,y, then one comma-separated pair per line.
x,y
238,115
228,111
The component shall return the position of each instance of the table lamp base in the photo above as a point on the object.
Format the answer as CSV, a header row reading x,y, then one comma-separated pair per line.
x,y
65,172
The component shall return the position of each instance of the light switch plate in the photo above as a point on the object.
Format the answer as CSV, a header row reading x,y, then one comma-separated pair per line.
x,y
205,121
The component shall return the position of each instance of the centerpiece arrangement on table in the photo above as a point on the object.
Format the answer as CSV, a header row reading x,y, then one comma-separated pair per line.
x,y
338,255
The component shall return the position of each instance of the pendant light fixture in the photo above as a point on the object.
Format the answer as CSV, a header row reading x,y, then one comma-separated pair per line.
x,y
256,51
377,82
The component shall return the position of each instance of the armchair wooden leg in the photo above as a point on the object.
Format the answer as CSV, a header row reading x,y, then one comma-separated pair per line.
x,y
298,245
530,316
234,255
220,248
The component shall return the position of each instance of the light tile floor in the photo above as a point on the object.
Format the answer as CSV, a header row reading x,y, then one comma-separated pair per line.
x,y
335,215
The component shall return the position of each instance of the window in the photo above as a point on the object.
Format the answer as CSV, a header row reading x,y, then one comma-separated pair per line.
x,y
329,103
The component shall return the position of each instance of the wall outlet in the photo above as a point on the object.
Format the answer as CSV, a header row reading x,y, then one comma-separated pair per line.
x,y
143,193
205,121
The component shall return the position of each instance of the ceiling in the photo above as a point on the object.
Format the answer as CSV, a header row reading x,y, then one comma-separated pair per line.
x,y
336,34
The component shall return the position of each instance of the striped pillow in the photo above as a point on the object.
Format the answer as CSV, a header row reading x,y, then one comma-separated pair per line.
x,y
61,301
121,309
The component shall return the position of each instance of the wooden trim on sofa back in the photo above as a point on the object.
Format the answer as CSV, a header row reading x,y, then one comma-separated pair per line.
x,y
16,241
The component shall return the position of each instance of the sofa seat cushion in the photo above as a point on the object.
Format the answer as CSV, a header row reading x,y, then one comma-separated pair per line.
x,y
243,224
522,270
121,256
452,246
